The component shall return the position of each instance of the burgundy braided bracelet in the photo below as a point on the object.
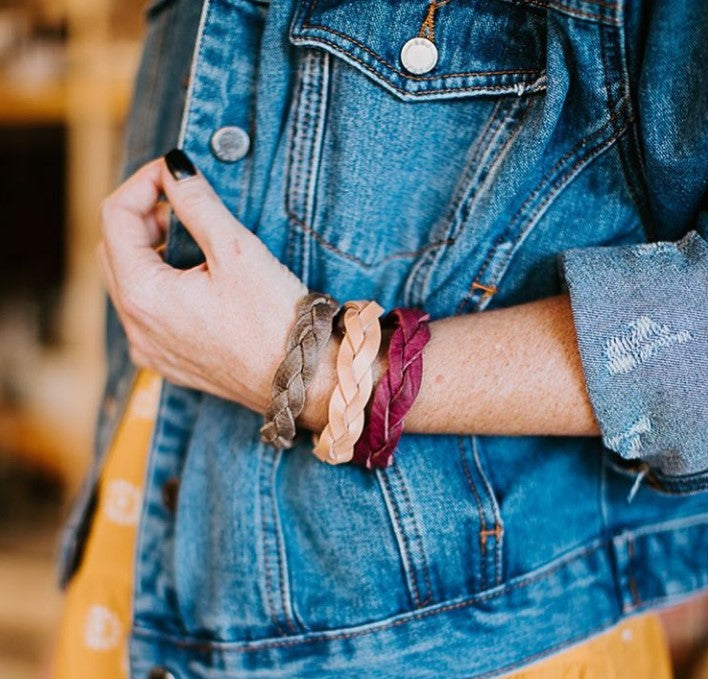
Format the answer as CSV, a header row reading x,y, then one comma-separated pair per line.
x,y
397,389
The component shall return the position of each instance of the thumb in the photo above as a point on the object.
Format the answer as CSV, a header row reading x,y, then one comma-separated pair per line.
x,y
198,207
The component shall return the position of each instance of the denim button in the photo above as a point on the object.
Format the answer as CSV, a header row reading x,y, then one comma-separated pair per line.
x,y
419,55
160,673
230,143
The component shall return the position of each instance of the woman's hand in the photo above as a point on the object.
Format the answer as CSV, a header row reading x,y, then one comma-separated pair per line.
x,y
219,327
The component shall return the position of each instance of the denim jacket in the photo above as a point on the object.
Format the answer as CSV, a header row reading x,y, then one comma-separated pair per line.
x,y
553,145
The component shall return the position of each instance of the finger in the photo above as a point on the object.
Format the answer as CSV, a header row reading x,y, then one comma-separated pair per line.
x,y
157,223
107,276
162,214
141,191
214,228
130,239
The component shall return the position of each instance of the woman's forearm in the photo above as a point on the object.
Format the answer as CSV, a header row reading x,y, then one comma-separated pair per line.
x,y
513,371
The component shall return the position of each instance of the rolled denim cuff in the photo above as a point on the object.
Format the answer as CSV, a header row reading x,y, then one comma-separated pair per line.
x,y
641,318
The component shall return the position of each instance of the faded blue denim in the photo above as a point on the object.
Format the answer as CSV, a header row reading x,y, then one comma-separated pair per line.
x,y
558,144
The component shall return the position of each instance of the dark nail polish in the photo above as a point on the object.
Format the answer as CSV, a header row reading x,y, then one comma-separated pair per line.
x,y
179,165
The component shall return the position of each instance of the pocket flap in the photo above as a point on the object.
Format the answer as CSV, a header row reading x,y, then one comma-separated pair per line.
x,y
483,46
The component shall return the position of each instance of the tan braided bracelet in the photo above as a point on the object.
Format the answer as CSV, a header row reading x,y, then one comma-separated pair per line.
x,y
308,336
355,358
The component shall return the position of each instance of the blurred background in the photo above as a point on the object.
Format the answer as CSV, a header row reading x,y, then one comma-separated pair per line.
x,y
66,70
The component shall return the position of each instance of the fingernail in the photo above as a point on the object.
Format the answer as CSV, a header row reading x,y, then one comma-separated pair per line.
x,y
179,165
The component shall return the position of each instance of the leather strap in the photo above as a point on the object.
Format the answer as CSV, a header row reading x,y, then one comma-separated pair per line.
x,y
355,358
396,390
306,340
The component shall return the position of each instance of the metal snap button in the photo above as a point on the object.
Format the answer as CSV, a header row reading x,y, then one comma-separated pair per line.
x,y
230,143
160,673
419,55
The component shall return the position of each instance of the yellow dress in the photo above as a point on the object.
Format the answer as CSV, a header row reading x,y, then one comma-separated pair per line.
x,y
97,613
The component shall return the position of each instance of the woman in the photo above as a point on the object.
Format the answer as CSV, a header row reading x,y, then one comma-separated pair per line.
x,y
459,157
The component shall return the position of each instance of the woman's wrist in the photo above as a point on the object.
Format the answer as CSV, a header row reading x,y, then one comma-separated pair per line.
x,y
314,415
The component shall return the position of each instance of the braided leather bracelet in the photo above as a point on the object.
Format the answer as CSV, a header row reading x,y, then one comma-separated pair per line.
x,y
308,336
358,350
396,390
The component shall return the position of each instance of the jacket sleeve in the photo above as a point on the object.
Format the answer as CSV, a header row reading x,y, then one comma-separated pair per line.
x,y
641,311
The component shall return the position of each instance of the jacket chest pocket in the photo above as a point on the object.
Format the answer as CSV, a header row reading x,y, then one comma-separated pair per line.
x,y
395,104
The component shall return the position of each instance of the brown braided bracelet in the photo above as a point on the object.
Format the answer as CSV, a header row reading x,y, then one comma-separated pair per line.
x,y
308,336
357,352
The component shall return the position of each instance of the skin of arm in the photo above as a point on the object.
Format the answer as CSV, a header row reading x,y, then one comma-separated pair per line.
x,y
513,371
221,327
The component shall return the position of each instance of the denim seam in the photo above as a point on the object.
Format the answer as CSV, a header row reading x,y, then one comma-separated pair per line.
x,y
467,198
357,260
668,526
466,194
501,155
458,198
554,189
637,191
550,4
407,76
396,469
535,84
498,534
283,572
538,575
305,25
291,164
316,157
299,185
226,646
483,532
270,602
401,534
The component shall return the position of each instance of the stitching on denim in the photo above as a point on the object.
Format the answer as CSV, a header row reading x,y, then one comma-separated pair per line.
x,y
498,523
382,475
357,260
549,4
306,24
462,189
468,200
636,191
489,150
270,604
534,84
395,468
483,533
291,163
315,161
282,567
522,110
696,520
209,647
555,188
